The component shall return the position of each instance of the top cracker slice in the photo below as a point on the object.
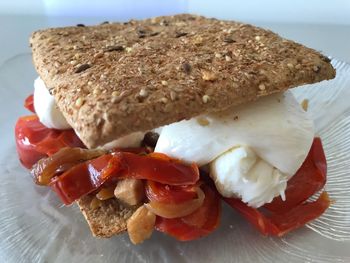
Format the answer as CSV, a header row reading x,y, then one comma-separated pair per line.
x,y
113,79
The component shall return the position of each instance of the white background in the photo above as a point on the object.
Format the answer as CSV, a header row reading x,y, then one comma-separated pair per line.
x,y
320,24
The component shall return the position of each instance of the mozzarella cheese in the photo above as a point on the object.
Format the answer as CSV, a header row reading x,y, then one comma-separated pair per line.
x,y
239,172
49,115
272,135
46,108
131,140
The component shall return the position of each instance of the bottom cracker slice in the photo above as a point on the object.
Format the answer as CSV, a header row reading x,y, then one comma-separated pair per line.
x,y
108,219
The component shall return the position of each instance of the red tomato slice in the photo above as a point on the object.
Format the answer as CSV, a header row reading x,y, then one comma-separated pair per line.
x,y
88,176
309,179
196,225
29,103
282,217
34,141
165,193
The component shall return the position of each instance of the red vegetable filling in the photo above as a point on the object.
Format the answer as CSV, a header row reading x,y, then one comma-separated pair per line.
x,y
169,183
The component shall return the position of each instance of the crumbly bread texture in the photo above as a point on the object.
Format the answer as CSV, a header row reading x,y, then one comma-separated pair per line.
x,y
113,79
108,219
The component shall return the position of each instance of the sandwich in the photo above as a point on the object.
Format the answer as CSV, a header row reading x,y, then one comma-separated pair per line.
x,y
152,124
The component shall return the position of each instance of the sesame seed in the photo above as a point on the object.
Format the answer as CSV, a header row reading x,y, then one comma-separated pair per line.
x,y
298,66
115,93
228,58
257,38
262,87
164,100
128,49
205,98
98,55
173,95
218,55
316,68
97,91
290,65
164,83
198,40
203,121
79,102
143,93
305,104
208,75
73,62
89,83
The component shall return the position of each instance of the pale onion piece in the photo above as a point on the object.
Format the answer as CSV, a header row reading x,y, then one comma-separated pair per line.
x,y
130,191
95,203
140,225
176,210
46,168
105,193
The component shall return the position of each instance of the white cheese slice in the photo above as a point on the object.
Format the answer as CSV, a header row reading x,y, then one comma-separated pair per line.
x,y
239,172
46,108
275,127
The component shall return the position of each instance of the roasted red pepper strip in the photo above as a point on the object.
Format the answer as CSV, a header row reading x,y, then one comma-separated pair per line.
x,y
279,224
35,141
196,225
283,217
29,103
309,179
88,176
169,193
81,179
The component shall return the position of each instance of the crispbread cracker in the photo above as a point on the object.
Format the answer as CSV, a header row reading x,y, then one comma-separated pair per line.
x,y
114,79
108,219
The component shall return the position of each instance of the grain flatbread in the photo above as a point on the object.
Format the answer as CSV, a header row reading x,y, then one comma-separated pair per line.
x,y
108,219
114,79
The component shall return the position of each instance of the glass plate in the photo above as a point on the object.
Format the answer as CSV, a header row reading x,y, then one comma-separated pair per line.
x,y
36,227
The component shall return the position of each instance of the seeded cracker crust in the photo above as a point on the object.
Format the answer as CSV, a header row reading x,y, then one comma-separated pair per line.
x,y
107,220
113,79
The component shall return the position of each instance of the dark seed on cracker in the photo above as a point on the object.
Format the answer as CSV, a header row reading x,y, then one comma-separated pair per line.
x,y
82,68
229,40
186,68
154,34
114,48
180,34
